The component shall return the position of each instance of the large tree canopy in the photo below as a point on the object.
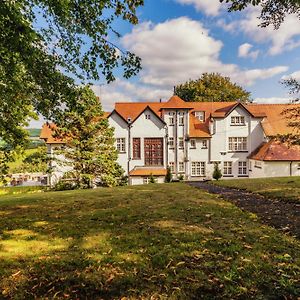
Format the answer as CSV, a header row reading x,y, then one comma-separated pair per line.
x,y
46,46
211,87
272,11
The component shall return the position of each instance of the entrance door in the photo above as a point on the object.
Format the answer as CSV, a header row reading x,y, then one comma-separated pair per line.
x,y
154,151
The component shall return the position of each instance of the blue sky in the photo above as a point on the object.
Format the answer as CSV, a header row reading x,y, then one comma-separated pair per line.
x,y
180,39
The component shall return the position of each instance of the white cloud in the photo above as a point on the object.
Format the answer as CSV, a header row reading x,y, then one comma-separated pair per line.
x,y
272,100
124,91
286,38
295,75
245,51
180,49
209,7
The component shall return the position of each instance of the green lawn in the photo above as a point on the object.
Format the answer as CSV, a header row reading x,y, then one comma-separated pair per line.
x,y
286,188
167,241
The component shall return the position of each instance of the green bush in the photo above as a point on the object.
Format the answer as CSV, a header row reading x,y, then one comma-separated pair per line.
x,y
217,174
168,177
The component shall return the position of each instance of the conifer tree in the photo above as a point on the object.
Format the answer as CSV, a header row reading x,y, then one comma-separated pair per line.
x,y
89,142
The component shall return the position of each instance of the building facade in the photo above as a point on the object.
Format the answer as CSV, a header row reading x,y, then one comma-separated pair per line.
x,y
191,137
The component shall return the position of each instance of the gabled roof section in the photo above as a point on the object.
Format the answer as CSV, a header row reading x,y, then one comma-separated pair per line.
x,y
133,110
149,108
276,151
225,111
47,134
275,122
175,102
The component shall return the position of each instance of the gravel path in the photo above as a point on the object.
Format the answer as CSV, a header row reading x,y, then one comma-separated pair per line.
x,y
282,215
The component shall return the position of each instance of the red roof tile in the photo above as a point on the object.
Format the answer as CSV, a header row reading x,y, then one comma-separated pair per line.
x,y
276,151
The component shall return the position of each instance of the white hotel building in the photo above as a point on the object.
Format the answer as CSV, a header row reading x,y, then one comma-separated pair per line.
x,y
191,137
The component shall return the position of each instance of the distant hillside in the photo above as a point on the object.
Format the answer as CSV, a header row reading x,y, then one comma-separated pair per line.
x,y
34,132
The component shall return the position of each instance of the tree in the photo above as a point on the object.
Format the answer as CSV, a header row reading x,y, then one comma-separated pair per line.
x,y
272,11
292,114
46,48
217,174
89,149
211,87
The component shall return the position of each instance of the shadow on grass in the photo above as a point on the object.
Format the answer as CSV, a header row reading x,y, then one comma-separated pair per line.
x,y
136,242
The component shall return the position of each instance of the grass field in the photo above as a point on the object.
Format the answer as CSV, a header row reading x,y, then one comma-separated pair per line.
x,y
145,242
286,188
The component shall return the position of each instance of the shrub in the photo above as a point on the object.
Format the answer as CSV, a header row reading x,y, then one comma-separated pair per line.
x,y
168,177
152,179
63,185
181,177
217,174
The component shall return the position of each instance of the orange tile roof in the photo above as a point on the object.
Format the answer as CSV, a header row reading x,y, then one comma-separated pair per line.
x,y
198,129
47,134
148,172
275,123
276,151
175,102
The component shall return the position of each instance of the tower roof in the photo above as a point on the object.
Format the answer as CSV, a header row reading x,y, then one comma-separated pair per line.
x,y
177,103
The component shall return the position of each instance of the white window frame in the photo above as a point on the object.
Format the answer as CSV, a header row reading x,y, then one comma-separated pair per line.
x,y
172,167
181,168
181,120
242,168
171,120
200,115
227,168
204,144
146,180
237,120
193,143
180,143
237,144
198,168
171,142
148,116
121,145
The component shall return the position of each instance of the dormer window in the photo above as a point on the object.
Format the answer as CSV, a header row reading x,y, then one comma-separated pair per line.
x,y
237,120
200,115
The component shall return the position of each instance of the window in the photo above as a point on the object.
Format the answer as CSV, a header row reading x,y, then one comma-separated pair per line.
x,y
148,117
298,166
258,164
171,142
171,121
242,168
200,115
193,144
227,168
180,143
198,168
136,148
204,144
181,167
181,120
238,120
237,144
121,145
146,180
172,166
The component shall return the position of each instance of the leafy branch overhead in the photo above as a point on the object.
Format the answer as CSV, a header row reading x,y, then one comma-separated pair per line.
x,y
273,12
47,47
